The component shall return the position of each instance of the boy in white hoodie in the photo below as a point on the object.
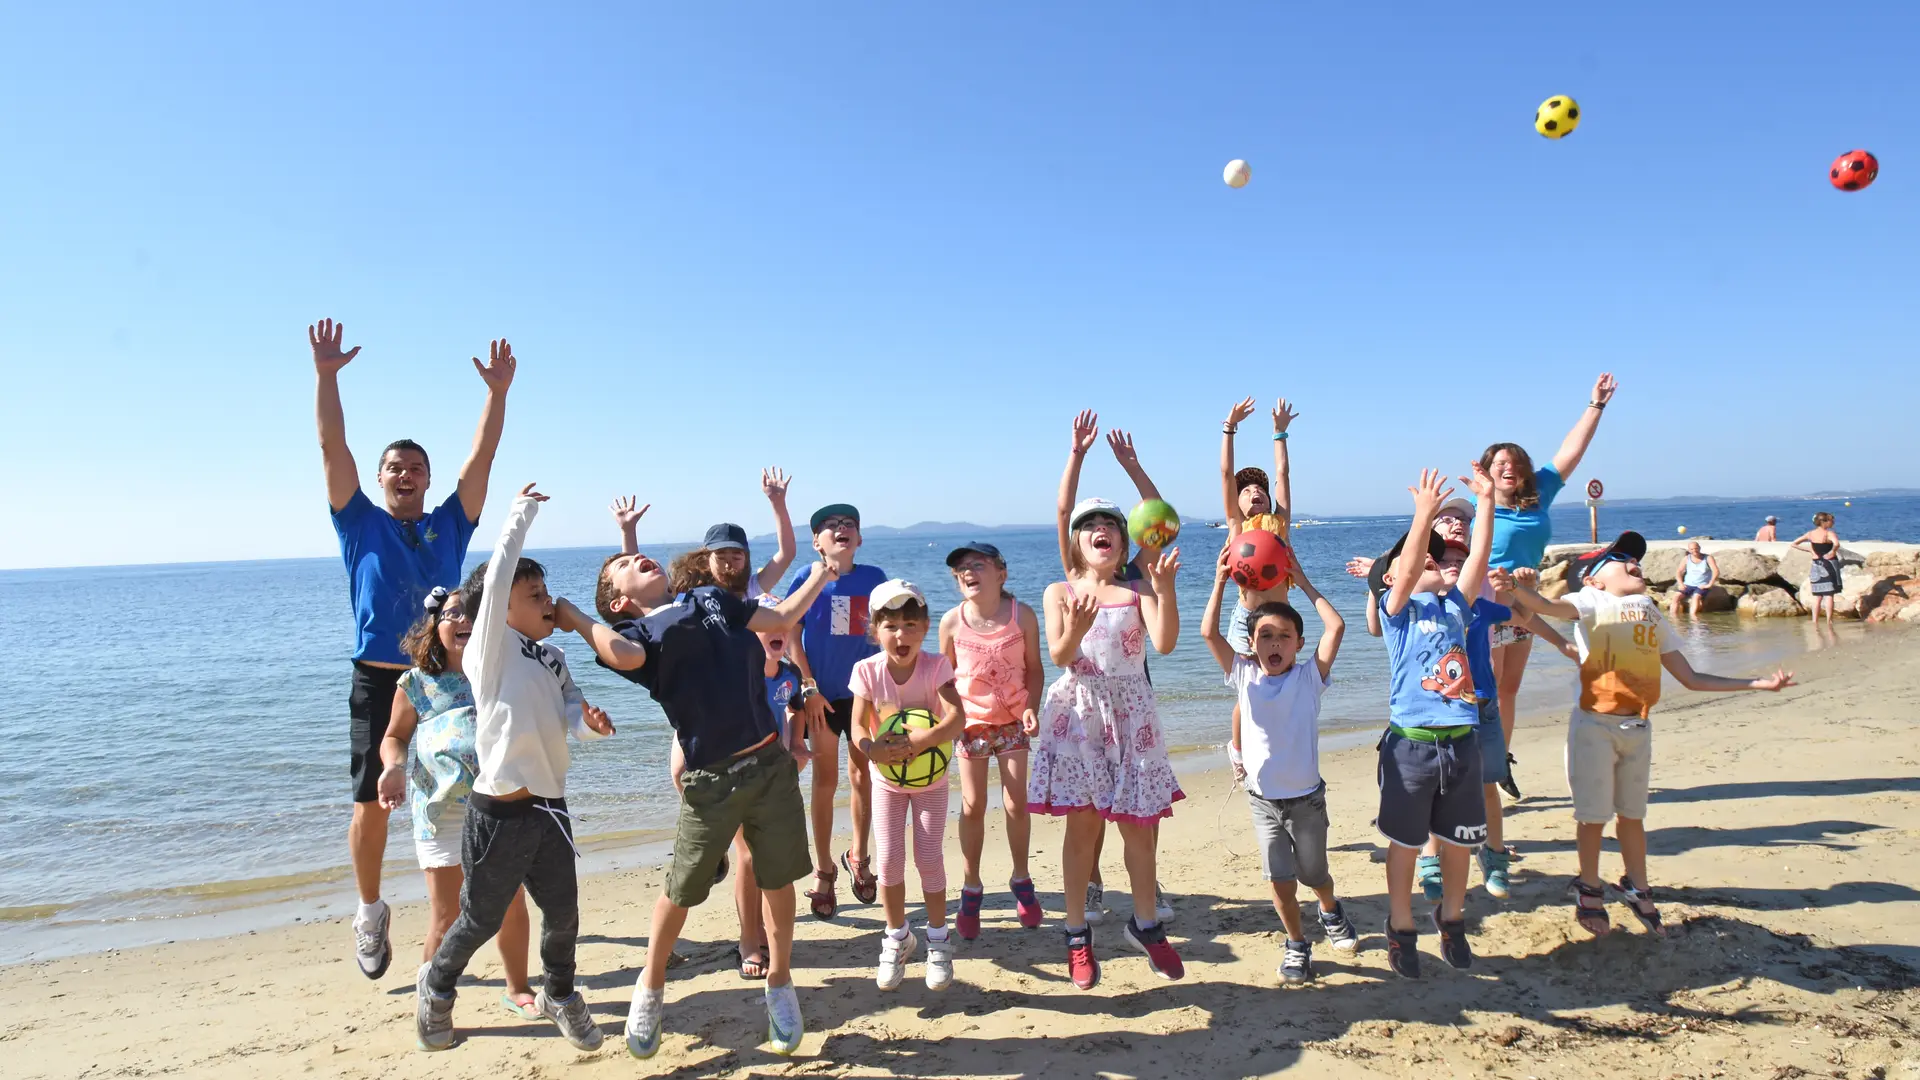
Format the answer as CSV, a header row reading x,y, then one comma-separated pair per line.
x,y
517,830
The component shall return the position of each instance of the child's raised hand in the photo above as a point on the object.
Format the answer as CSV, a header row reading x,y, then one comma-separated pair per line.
x,y
500,366
624,515
773,484
1086,430
325,337
1223,569
1478,482
1164,568
830,571
1240,411
1502,583
1603,388
1526,577
1779,680
1081,611
1030,723
393,787
1360,566
1122,446
528,493
596,718
1283,415
1431,494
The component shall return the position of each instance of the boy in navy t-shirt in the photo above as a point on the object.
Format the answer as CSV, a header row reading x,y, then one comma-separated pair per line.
x,y
833,638
694,649
1430,764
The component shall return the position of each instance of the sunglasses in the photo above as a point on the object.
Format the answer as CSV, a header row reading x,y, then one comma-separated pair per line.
x,y
837,524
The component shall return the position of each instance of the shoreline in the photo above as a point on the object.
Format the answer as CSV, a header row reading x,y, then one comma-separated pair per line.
x,y
1781,826
148,917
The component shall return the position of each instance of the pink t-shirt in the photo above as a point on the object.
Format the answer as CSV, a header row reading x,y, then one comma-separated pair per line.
x,y
872,680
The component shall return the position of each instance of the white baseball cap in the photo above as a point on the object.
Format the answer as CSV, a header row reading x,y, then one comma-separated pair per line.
x,y
1089,507
894,592
1464,508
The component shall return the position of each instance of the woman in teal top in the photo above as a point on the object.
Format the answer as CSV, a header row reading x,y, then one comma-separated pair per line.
x,y
1522,529
433,710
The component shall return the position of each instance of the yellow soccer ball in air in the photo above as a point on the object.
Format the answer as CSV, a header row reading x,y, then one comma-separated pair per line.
x,y
1557,117
923,768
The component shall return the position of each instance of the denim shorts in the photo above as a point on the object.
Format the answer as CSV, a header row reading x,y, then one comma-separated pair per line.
x,y
1293,837
1239,636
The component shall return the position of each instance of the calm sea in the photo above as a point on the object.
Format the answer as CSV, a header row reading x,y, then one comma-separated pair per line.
x,y
177,736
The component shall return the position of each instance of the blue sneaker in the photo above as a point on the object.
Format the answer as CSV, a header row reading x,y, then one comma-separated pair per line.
x,y
1426,870
1493,867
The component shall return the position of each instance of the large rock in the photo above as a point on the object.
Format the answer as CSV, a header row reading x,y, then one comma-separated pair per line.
x,y
1662,565
1795,564
1745,566
1713,600
1555,588
1733,589
1890,564
1774,603
1888,596
1910,613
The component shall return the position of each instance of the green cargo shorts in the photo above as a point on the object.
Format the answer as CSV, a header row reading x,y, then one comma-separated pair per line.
x,y
758,793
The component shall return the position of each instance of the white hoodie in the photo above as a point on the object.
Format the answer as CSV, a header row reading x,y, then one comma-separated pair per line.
x,y
525,701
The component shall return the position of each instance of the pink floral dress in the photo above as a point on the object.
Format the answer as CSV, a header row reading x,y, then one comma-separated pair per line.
x,y
1100,745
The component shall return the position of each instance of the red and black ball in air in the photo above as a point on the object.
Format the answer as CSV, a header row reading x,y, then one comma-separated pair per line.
x,y
1854,170
1259,560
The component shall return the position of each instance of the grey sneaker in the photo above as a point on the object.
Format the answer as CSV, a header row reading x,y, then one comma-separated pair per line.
x,y
571,1015
643,1021
1096,902
939,961
784,1025
432,1015
1339,929
1296,966
371,949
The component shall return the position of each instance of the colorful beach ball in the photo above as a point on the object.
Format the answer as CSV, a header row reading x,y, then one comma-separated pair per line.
x,y
1557,117
923,768
1237,173
1153,523
1854,170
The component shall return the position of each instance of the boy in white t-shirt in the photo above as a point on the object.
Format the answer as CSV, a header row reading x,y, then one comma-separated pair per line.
x,y
1276,749
1624,641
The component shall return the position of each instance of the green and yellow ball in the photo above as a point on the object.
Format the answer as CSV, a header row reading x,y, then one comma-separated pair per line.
x,y
1557,117
928,765
1153,524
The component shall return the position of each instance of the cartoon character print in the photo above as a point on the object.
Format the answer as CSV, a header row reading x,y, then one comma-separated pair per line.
x,y
1451,677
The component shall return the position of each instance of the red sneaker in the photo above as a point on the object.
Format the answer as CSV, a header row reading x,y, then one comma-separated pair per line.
x,y
1160,955
1080,962
1026,903
968,921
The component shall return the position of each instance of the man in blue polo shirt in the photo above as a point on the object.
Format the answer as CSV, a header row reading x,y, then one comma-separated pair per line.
x,y
395,556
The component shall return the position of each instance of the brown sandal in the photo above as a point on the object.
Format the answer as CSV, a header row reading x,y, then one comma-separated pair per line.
x,y
1590,908
823,897
865,886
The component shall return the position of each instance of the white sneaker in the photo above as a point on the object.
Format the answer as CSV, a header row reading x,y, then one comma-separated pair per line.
x,y
784,1025
644,1019
894,954
1162,907
1096,902
939,960
371,949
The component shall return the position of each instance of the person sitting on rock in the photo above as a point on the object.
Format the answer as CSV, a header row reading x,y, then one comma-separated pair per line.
x,y
1698,573
1766,533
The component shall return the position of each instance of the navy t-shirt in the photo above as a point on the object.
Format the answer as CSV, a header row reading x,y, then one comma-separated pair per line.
x,y
781,689
1485,616
392,565
834,629
707,671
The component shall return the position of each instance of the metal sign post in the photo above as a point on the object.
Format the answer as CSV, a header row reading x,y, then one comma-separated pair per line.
x,y
1594,490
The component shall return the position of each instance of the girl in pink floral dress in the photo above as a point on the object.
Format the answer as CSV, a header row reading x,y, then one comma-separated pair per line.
x,y
1100,755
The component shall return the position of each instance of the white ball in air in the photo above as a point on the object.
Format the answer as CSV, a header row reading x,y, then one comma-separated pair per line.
x,y
1236,174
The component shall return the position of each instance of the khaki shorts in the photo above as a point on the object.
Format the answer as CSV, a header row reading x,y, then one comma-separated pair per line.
x,y
758,793
1609,763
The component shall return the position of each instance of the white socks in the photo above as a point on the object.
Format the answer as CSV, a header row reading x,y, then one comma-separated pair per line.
x,y
369,912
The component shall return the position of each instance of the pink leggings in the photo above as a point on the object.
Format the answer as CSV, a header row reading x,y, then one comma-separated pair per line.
x,y
928,807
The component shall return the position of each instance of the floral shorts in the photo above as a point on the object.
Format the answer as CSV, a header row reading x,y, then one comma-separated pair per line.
x,y
993,740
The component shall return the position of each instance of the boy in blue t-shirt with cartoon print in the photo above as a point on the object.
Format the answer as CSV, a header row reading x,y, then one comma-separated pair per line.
x,y
1430,765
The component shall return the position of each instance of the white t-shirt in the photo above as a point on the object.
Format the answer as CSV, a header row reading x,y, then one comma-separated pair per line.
x,y
1279,726
1621,639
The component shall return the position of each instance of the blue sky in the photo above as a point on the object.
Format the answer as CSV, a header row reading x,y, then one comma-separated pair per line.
x,y
893,248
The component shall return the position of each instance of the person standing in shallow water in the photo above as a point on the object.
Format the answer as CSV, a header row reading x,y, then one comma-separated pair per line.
x,y
395,554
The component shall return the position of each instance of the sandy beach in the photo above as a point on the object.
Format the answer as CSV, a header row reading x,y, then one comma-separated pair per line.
x,y
1783,837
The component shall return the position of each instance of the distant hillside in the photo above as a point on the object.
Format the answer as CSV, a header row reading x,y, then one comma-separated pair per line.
x,y
1675,500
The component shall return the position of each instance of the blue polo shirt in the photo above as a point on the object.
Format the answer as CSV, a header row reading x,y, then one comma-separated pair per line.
x,y
1431,680
1520,537
834,629
1486,616
393,565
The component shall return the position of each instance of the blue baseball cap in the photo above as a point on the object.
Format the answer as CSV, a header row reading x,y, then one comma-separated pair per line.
x,y
974,547
724,536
